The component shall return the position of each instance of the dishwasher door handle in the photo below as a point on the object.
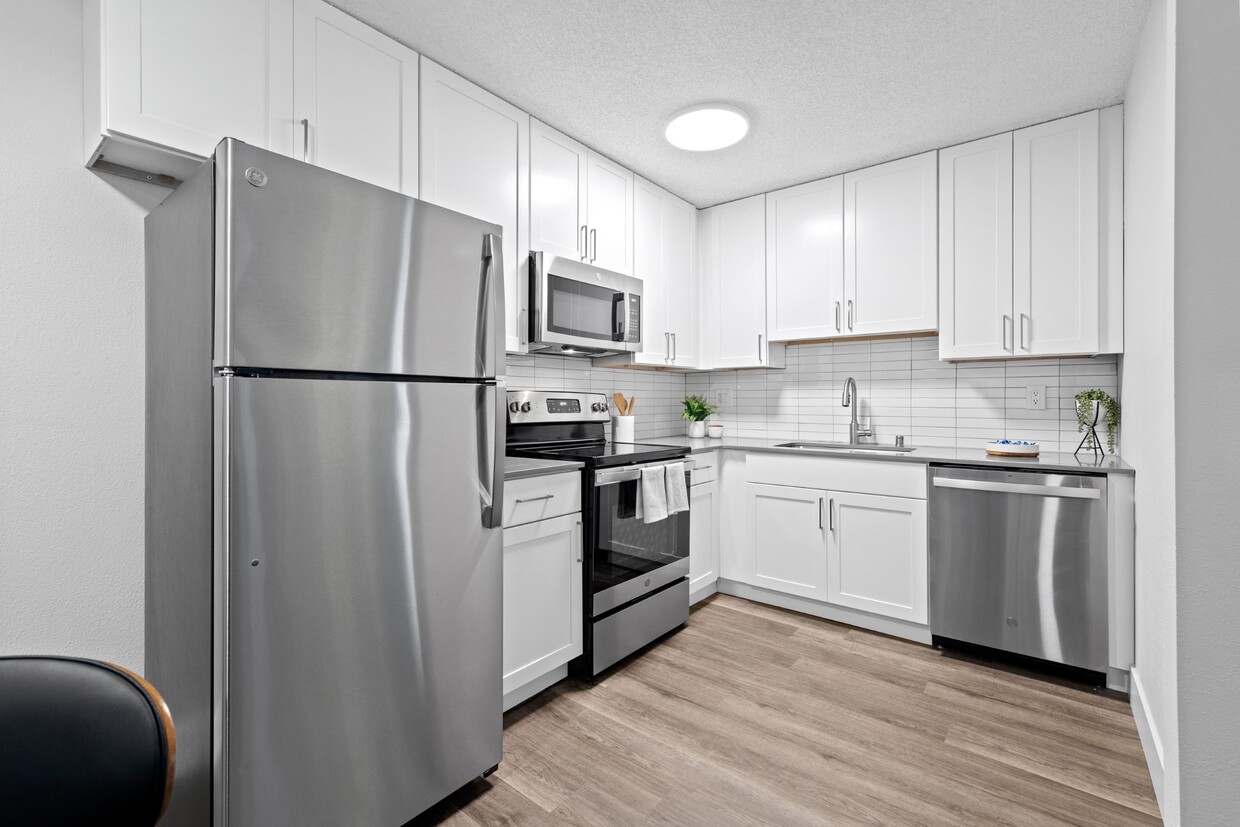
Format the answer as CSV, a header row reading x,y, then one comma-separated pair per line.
x,y
1019,488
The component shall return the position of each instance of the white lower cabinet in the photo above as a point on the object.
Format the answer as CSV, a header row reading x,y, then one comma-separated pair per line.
x,y
703,539
789,539
876,555
542,600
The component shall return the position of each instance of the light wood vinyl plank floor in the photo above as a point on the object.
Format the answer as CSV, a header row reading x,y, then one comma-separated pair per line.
x,y
756,715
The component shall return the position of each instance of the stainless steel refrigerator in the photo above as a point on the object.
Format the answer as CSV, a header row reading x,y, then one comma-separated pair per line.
x,y
324,470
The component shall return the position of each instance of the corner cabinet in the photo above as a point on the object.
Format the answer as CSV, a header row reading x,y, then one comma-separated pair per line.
x,y
474,152
732,260
581,204
543,602
165,82
355,98
1031,240
891,247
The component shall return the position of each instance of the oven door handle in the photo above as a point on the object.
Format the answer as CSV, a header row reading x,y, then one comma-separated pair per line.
x,y
617,475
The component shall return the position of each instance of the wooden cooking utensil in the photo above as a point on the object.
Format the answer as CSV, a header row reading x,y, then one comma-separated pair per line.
x,y
620,405
632,402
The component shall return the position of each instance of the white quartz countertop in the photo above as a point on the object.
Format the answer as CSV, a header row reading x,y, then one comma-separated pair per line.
x,y
518,467
1109,464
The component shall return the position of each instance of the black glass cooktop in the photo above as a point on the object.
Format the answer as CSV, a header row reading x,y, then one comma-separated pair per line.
x,y
602,454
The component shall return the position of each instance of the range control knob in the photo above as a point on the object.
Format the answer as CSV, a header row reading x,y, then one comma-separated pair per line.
x,y
596,407
514,407
525,407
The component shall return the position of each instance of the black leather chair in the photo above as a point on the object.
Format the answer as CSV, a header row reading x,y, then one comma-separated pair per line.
x,y
82,742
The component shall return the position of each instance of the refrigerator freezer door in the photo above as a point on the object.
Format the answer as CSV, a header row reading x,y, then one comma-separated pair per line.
x,y
363,677
317,271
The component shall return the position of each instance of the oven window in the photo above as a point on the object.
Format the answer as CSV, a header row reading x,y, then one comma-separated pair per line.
x,y
580,309
625,547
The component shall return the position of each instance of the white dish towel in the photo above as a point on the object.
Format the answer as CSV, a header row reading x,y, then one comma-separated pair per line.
x,y
652,495
677,493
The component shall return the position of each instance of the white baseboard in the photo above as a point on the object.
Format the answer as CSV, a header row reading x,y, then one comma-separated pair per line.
x,y
1150,742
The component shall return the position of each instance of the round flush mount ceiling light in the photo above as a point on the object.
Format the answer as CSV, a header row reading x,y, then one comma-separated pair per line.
x,y
707,126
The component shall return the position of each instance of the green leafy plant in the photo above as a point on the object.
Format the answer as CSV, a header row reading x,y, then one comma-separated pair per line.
x,y
1085,411
697,409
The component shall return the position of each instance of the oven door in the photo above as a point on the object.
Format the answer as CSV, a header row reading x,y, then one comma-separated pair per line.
x,y
630,558
580,306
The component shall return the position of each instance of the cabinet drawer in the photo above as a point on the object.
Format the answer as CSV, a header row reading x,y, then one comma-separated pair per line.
x,y
540,498
706,468
889,479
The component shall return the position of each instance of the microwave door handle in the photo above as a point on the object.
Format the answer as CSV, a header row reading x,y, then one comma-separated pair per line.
x,y
619,304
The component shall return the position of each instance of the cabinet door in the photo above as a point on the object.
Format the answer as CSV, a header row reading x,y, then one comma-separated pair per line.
x,y
648,264
609,214
1055,239
355,98
182,75
805,261
542,598
876,554
738,270
788,533
557,193
975,250
680,281
474,155
891,247
703,535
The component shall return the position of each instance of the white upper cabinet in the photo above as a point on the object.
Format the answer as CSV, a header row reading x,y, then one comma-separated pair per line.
x,y
1031,238
355,98
732,245
557,193
975,249
474,158
805,261
581,204
1055,239
664,236
609,214
165,82
891,247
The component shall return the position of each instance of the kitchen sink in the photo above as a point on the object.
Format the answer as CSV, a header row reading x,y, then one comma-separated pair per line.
x,y
846,447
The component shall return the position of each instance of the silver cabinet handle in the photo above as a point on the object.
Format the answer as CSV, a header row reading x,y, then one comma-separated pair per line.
x,y
702,467
837,318
305,139
667,347
583,244
1007,333
593,243
759,348
821,503
578,542
1020,488
673,347
831,514
535,499
850,314
1023,319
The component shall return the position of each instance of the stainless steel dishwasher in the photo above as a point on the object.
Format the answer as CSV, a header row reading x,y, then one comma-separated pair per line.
x,y
1018,562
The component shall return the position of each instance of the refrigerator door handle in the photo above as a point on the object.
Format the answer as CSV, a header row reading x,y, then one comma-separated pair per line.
x,y
490,304
493,447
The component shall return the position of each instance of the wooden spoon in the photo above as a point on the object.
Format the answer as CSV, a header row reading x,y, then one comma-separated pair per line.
x,y
620,406
632,402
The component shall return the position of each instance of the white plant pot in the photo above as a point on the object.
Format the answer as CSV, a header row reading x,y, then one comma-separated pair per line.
x,y
697,429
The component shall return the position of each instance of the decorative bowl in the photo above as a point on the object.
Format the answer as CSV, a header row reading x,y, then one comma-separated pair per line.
x,y
1012,448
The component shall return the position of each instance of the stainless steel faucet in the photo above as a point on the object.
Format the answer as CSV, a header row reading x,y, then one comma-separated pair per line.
x,y
855,431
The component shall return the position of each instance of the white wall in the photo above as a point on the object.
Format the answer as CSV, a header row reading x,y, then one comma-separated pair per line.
x,y
71,359
1207,473
1148,378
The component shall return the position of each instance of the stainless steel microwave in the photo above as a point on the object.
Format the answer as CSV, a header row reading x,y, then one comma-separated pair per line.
x,y
582,310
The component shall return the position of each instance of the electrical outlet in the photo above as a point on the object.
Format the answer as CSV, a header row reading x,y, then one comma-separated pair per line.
x,y
1035,397
724,398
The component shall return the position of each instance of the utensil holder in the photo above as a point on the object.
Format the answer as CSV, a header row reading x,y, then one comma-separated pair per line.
x,y
622,428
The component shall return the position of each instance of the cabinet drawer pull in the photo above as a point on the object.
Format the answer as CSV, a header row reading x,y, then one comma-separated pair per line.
x,y
703,467
534,499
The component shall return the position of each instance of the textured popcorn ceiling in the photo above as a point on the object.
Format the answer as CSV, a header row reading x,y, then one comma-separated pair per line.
x,y
829,86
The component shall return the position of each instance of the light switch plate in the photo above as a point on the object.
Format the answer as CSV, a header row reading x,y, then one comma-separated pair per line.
x,y
1035,397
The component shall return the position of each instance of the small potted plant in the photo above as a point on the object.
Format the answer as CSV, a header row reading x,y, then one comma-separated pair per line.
x,y
696,411
1090,408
